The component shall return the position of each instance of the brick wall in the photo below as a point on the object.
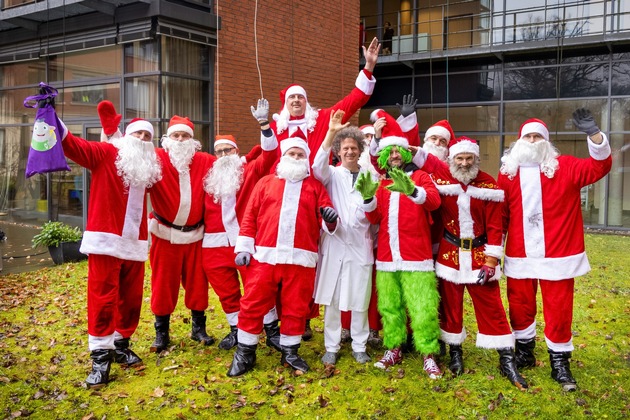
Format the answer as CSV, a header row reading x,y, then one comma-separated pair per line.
x,y
313,43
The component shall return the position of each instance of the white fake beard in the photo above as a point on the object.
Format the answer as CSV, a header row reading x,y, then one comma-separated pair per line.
x,y
181,153
137,163
283,119
463,175
439,152
293,170
225,177
522,152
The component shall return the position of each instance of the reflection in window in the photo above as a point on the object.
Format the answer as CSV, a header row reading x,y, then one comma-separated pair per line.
x,y
141,57
185,97
97,63
184,57
141,97
584,80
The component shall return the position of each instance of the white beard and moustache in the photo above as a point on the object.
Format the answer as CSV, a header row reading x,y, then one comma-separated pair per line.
x,y
293,170
522,152
463,175
225,177
283,119
181,153
439,152
137,163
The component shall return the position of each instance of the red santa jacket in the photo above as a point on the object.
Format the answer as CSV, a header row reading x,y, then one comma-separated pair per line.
x,y
467,211
222,219
178,199
282,222
404,236
364,86
117,216
545,232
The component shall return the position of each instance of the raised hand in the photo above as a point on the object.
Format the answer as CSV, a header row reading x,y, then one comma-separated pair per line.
x,y
261,112
110,120
371,54
408,106
336,119
402,182
366,186
584,121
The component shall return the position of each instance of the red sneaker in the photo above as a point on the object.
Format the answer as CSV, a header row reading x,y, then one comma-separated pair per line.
x,y
431,368
390,358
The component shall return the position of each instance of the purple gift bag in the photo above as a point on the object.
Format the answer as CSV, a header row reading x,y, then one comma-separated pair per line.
x,y
46,153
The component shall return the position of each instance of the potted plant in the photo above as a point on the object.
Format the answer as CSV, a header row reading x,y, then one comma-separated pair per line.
x,y
63,242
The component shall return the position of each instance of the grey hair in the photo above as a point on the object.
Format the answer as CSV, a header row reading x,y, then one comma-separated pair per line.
x,y
351,132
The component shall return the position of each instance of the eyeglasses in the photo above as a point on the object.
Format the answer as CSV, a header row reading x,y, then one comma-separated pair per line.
x,y
224,152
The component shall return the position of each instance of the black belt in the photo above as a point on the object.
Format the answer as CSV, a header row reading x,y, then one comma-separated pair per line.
x,y
465,243
187,228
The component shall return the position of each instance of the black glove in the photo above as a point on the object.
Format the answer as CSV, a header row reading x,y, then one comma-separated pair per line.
x,y
408,106
328,214
584,121
243,258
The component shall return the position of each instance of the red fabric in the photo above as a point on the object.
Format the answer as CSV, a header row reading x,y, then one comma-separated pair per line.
x,y
170,265
223,275
114,295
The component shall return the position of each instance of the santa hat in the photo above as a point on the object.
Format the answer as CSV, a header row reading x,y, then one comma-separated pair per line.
x,y
441,128
292,89
178,123
392,134
367,129
225,139
463,144
138,124
534,125
297,139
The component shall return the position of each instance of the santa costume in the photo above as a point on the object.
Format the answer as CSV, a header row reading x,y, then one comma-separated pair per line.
x,y
176,226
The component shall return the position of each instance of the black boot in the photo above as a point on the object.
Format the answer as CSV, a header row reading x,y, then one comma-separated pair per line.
x,y
560,371
101,363
525,353
507,366
456,365
199,329
162,323
230,340
308,332
244,359
273,335
442,348
124,355
291,358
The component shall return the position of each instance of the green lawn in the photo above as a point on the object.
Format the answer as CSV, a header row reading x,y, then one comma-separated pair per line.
x,y
44,360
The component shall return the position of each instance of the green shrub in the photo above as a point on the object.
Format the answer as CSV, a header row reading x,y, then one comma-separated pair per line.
x,y
53,233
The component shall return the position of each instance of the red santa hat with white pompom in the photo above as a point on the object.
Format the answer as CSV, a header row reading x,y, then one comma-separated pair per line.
x,y
391,134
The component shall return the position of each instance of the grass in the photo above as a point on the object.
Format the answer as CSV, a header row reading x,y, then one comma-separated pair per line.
x,y
44,361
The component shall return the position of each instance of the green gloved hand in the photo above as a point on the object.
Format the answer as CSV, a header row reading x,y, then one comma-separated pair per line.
x,y
402,182
366,186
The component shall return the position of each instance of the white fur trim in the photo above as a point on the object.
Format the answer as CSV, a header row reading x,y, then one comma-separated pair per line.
x,y
438,130
371,206
407,123
526,334
179,127
420,158
138,126
290,340
133,212
225,141
270,316
486,194
421,197
291,142
393,266
450,189
246,338
244,244
268,143
599,151
463,146
215,240
101,343
228,216
374,115
368,130
461,276
560,347
547,268
392,141
494,250
535,127
282,255
533,218
364,84
288,217
104,243
185,199
453,338
505,341
295,90
232,319
393,227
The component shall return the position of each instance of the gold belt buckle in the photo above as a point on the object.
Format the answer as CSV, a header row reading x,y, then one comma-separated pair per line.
x,y
465,244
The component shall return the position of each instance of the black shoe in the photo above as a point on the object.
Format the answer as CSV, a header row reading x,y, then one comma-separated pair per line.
x,y
442,348
560,371
524,352
308,332
507,366
124,355
291,358
273,335
456,364
230,340
162,339
101,363
243,361
198,332
408,346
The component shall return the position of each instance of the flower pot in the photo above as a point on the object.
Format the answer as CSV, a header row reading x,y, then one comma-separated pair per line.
x,y
66,252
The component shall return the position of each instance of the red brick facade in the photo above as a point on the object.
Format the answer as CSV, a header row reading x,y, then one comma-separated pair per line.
x,y
313,43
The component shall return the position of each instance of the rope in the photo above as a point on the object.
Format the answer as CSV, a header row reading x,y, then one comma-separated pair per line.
x,y
256,46
559,48
217,112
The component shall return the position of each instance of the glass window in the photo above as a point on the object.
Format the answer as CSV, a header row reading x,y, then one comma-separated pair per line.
x,y
463,119
141,97
141,57
619,182
89,64
489,153
184,57
185,97
584,80
20,74
530,83
621,78
12,110
81,101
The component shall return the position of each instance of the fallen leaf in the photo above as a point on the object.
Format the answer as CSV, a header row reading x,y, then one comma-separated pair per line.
x,y
158,392
323,401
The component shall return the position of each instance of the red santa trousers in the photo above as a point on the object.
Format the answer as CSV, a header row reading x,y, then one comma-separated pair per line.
x,y
114,295
374,318
489,312
222,274
557,298
292,284
170,264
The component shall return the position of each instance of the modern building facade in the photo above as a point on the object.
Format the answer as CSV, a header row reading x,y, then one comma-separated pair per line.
x,y
489,65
